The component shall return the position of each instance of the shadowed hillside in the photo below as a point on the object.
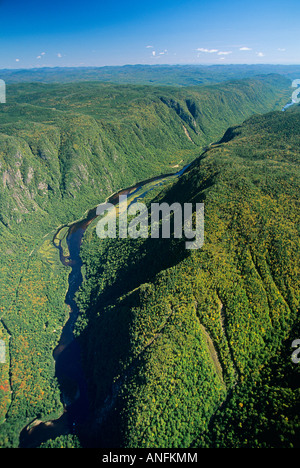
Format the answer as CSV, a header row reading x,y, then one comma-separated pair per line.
x,y
193,348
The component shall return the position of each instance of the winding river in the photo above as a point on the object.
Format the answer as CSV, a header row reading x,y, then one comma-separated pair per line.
x,y
67,356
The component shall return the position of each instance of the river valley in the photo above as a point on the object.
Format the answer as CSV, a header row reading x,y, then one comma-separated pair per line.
x,y
67,355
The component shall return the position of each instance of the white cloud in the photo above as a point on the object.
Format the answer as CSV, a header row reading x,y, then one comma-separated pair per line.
x,y
245,48
225,53
17,60
59,55
208,51
260,54
43,53
39,57
153,53
149,47
281,50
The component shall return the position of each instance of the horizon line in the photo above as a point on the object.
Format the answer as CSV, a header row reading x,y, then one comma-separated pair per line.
x,y
153,65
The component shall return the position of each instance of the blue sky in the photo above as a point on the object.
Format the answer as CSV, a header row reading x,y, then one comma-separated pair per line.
x,y
34,33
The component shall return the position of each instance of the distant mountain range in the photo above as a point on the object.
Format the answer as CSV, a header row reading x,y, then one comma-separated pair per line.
x,y
178,75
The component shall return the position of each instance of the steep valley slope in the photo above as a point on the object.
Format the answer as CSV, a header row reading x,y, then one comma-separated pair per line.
x,y
193,348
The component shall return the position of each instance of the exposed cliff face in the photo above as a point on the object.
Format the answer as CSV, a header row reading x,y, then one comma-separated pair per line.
x,y
81,141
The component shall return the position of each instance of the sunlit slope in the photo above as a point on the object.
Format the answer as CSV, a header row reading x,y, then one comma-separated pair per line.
x,y
194,348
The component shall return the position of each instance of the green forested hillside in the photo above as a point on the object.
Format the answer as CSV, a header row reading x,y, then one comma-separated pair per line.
x,y
64,149
193,348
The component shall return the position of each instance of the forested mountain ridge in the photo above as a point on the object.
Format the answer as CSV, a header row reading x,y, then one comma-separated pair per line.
x,y
176,75
64,149
203,354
